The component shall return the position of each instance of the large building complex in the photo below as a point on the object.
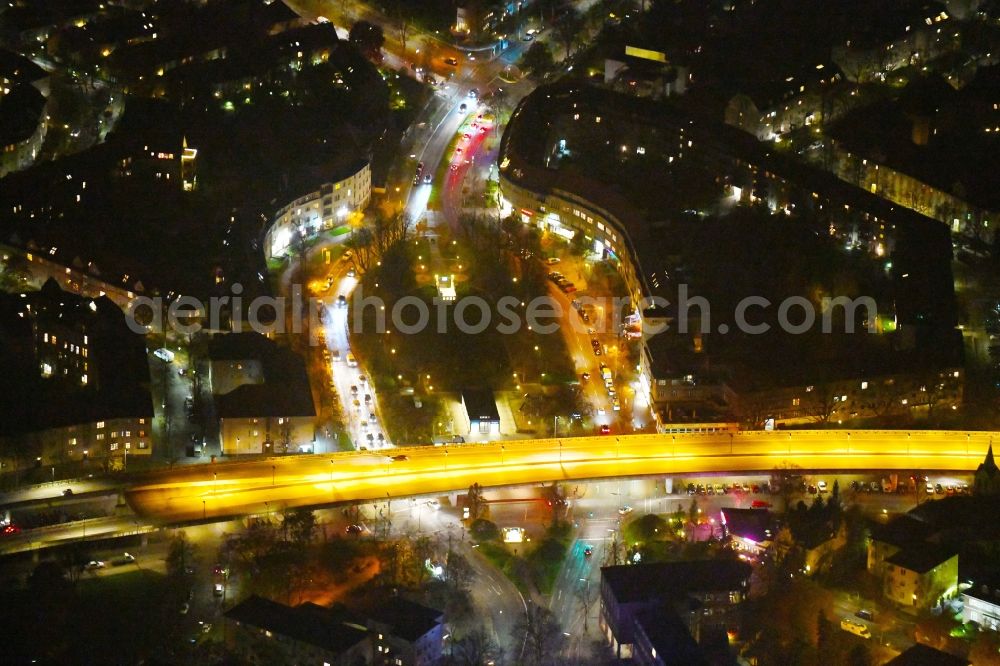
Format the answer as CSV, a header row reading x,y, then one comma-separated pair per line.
x,y
77,379
320,210
543,183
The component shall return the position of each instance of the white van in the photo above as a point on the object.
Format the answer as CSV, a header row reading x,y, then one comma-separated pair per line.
x,y
351,361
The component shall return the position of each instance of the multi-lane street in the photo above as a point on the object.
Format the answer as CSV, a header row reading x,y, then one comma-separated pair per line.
x,y
239,488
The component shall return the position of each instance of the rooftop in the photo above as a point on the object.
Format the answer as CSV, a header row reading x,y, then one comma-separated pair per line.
x,y
15,67
752,524
20,112
985,590
285,391
406,619
903,531
241,347
921,558
670,638
480,403
669,581
925,655
307,623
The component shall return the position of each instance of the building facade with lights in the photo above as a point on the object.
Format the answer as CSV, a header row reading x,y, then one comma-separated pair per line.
x,y
77,379
320,210
262,396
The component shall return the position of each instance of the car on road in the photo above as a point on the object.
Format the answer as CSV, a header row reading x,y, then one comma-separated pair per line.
x,y
400,458
605,429
855,628
473,94
588,551
865,614
585,376
552,261
352,273
427,179
185,607
463,107
354,529
938,488
625,510
94,565
9,529
351,361
453,167
347,255
67,492
218,590
451,61
822,486
615,405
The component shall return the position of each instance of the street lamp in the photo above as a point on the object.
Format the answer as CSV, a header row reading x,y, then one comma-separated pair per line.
x,y
502,449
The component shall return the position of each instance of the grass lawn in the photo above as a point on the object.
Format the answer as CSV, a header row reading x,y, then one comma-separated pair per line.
x,y
121,618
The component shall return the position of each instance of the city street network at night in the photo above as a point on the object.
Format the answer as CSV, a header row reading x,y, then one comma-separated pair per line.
x,y
500,332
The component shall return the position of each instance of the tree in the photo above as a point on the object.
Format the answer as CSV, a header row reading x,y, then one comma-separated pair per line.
x,y
401,21
300,525
459,572
476,648
423,550
484,530
14,273
475,501
823,632
537,60
568,28
180,554
540,633
368,38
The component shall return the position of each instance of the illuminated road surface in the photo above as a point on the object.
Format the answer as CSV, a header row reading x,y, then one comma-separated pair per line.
x,y
244,487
